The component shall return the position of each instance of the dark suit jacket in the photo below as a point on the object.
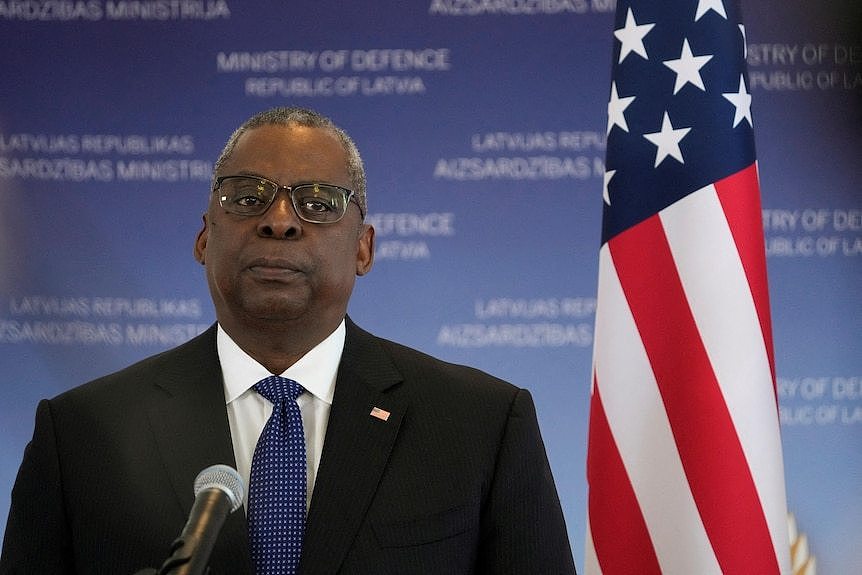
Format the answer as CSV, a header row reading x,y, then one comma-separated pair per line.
x,y
456,481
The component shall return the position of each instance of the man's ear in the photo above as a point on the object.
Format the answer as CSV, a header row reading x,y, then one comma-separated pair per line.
x,y
365,250
201,242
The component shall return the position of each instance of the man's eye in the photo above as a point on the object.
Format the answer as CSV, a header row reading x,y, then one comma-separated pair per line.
x,y
317,206
248,201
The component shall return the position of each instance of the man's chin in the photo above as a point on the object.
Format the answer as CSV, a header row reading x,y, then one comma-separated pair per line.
x,y
275,309
275,315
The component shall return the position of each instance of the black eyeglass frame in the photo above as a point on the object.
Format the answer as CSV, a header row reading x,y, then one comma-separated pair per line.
x,y
349,195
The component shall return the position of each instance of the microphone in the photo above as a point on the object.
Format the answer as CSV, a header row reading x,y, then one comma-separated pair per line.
x,y
219,491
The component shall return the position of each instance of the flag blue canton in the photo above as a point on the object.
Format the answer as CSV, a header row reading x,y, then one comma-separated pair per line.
x,y
679,116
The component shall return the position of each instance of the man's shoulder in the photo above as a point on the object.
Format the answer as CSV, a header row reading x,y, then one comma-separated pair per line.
x,y
416,365
170,364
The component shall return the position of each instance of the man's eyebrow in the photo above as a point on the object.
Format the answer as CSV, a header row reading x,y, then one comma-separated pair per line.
x,y
249,173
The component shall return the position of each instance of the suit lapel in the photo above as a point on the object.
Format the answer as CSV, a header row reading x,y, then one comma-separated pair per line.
x,y
189,422
355,452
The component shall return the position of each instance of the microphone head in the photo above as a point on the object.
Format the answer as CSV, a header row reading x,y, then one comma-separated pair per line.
x,y
222,477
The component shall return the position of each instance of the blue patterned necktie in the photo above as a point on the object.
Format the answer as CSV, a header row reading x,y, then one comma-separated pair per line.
x,y
276,495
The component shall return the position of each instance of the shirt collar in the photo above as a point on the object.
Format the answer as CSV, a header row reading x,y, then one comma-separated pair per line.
x,y
315,371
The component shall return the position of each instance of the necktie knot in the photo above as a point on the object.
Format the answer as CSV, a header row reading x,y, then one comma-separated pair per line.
x,y
277,389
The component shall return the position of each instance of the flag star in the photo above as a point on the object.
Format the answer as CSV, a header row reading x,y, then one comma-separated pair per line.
x,y
616,107
632,36
687,68
744,41
667,141
704,6
742,102
608,175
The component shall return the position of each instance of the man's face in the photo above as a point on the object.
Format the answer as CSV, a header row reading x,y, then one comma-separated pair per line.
x,y
275,266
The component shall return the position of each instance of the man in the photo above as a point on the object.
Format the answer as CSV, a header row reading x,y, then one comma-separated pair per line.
x,y
413,465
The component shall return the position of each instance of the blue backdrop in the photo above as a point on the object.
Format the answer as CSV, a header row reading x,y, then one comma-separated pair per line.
x,y
482,125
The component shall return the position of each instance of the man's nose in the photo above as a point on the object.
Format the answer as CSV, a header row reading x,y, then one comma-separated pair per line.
x,y
280,219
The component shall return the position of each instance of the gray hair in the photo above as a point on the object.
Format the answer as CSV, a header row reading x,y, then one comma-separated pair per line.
x,y
309,119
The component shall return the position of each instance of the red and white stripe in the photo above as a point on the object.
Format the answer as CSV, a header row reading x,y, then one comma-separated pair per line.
x,y
684,459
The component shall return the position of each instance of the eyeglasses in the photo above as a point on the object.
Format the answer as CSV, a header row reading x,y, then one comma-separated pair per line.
x,y
252,196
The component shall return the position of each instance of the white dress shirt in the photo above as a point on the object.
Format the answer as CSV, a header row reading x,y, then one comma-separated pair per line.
x,y
249,411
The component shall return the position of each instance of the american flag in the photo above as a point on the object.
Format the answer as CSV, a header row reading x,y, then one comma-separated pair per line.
x,y
684,458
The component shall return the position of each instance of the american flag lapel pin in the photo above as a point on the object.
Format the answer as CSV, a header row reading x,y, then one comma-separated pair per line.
x,y
380,414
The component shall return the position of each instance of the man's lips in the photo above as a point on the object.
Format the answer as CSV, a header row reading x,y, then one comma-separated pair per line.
x,y
273,269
